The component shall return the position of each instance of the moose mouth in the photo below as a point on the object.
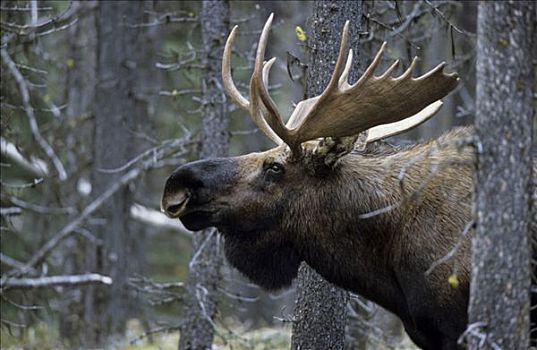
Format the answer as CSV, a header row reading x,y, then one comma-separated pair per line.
x,y
187,208
197,219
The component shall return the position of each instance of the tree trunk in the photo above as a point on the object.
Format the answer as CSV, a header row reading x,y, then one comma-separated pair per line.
x,y
197,329
321,307
499,301
80,90
115,107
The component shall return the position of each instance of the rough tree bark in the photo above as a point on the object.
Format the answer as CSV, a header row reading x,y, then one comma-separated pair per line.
x,y
499,301
321,307
197,329
114,108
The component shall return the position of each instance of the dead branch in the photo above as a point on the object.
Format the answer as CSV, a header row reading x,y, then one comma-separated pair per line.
x,y
54,281
25,94
10,211
41,209
153,161
165,329
9,261
34,183
156,218
454,250
44,25
35,166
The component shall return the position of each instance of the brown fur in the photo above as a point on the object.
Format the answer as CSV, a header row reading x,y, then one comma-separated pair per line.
x,y
374,224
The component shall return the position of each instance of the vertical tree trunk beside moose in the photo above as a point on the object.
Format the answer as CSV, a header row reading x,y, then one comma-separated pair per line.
x,y
197,329
321,308
114,108
499,303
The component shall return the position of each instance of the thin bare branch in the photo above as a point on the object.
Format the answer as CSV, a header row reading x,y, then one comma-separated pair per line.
x,y
54,281
25,94
453,251
22,185
152,162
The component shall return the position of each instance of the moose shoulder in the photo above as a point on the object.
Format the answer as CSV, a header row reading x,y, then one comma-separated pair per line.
x,y
372,221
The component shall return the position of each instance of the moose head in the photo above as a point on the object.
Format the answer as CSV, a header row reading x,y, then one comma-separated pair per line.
x,y
316,197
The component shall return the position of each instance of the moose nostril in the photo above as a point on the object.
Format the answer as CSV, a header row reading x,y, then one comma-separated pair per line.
x,y
173,209
173,204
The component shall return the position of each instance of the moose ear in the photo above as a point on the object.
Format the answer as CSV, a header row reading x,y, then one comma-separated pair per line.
x,y
386,130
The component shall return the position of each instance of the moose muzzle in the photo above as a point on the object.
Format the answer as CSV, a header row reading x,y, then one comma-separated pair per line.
x,y
193,187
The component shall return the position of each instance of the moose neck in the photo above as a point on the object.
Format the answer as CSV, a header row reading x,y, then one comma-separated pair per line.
x,y
356,238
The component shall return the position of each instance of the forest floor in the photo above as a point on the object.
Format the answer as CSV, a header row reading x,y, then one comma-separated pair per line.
x,y
44,337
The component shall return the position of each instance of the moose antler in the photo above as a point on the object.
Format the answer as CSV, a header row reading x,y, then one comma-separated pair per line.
x,y
342,109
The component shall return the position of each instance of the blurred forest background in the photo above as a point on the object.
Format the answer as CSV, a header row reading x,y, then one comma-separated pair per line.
x,y
100,101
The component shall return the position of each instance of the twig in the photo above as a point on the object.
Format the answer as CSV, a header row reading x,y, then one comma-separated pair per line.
x,y
27,29
441,14
25,94
156,218
94,205
165,19
23,185
11,324
24,9
20,306
9,211
475,330
41,209
58,29
165,329
454,250
36,166
53,281
70,227
9,261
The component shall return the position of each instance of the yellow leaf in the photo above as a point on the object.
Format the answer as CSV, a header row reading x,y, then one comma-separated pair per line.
x,y
70,63
453,281
46,98
300,33
174,92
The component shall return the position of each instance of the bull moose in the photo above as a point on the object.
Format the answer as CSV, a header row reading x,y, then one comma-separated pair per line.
x,y
372,220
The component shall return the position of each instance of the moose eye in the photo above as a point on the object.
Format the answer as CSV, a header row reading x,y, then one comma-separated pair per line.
x,y
274,171
276,168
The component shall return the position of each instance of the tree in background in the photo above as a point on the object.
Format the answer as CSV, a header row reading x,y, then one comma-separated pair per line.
x,y
499,303
321,307
197,328
114,113
80,94
53,239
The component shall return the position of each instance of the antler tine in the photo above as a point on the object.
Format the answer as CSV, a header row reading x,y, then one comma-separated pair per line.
x,y
343,80
259,111
266,70
337,80
256,110
262,45
389,71
341,64
387,130
436,70
408,72
227,79
258,88
371,69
